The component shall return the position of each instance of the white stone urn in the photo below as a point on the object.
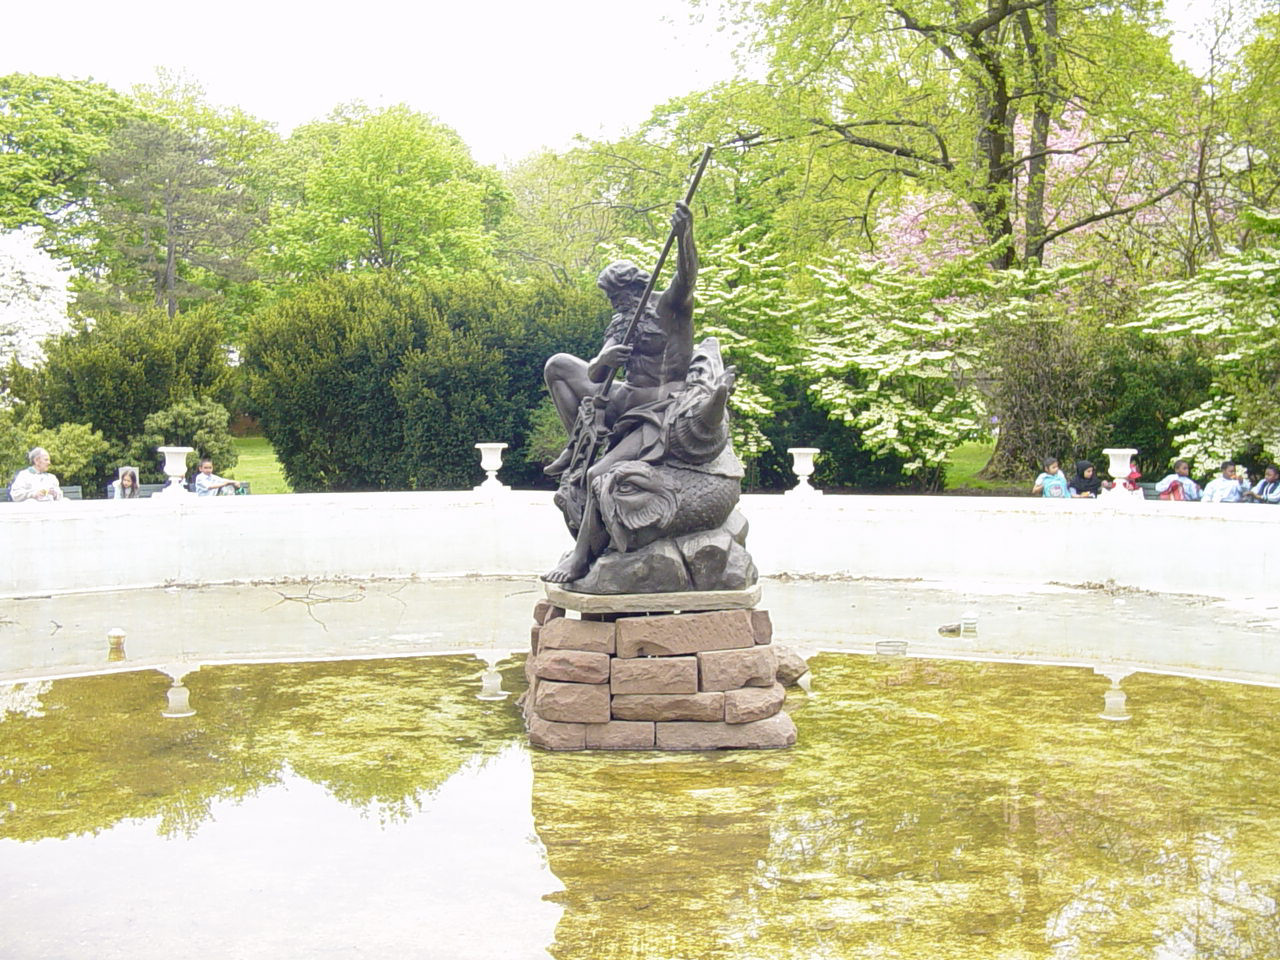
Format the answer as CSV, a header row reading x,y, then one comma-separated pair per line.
x,y
802,467
491,463
175,468
1118,467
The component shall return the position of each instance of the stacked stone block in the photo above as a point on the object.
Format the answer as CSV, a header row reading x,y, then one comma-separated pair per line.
x,y
658,681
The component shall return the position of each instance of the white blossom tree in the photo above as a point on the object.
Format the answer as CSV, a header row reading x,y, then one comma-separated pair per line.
x,y
33,297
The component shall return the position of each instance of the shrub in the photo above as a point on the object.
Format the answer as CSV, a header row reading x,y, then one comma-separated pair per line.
x,y
78,453
202,424
113,372
380,382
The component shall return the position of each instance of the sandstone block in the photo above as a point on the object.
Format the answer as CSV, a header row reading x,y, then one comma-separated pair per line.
x,y
762,626
791,666
753,703
545,610
551,735
529,675
571,702
565,634
534,633
681,634
654,675
776,731
731,669
668,706
572,666
620,735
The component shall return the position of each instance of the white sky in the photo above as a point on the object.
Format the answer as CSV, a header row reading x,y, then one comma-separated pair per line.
x,y
509,75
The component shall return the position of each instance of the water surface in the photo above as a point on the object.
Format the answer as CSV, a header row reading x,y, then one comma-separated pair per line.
x,y
931,809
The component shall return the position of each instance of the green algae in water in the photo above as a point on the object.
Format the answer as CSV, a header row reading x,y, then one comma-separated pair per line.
x,y
935,809
931,809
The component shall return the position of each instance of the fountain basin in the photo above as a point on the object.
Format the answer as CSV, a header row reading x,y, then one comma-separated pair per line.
x,y
1149,545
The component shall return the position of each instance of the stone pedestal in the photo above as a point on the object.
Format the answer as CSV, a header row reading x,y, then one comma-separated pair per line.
x,y
646,672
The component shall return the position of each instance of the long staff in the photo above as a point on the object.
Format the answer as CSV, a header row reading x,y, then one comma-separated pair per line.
x,y
653,277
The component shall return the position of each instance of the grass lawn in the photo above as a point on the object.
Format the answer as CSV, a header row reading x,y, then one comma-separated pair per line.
x,y
963,464
258,465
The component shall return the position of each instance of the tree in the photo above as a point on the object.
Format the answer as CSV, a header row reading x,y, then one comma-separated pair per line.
x,y
171,222
1233,305
33,298
557,222
934,93
389,190
50,132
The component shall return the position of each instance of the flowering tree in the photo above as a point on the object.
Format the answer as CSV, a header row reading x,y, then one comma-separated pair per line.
x,y
33,298
744,301
1233,304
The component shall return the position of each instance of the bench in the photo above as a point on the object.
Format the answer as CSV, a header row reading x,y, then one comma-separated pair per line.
x,y
144,490
69,492
147,489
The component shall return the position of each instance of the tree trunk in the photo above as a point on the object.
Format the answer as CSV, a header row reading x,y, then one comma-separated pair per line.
x,y
993,143
1044,58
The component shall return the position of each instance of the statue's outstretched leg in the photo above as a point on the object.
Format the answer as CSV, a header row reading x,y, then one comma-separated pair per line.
x,y
592,539
592,535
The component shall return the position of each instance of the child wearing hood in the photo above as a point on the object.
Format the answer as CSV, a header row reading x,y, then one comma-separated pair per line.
x,y
1087,483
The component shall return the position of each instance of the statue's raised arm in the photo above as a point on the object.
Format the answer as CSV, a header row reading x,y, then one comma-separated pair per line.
x,y
674,309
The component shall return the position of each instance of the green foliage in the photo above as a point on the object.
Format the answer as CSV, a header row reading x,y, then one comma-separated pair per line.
x,y
962,99
202,423
380,382
1144,384
545,439
13,445
77,452
113,372
385,190
50,131
1233,307
172,224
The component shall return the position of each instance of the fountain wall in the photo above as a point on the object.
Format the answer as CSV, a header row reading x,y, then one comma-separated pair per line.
x,y
1221,550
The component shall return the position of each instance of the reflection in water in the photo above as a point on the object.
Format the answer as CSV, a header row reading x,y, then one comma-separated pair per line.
x,y
930,809
1114,700
491,683
178,696
115,645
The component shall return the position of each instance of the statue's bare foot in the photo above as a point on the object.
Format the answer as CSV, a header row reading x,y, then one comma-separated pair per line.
x,y
571,568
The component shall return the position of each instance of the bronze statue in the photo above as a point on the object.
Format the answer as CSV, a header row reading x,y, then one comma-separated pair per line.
x,y
648,479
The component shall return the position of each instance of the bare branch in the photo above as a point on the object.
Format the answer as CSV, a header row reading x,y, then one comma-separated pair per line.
x,y
846,134
1056,151
1118,212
